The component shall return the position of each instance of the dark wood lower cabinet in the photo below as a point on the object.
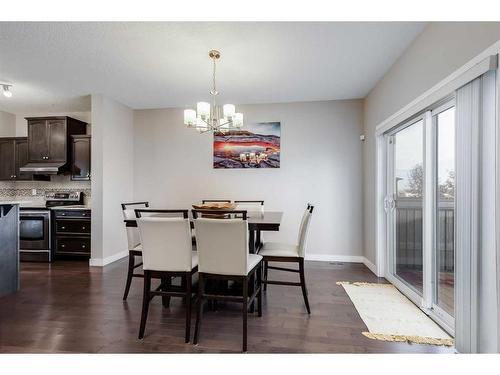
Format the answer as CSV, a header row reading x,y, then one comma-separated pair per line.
x,y
71,233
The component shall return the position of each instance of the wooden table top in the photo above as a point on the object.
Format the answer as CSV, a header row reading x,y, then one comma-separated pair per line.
x,y
267,221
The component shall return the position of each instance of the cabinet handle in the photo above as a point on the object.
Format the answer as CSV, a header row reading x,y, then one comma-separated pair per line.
x,y
83,228
84,214
63,245
63,214
63,227
83,246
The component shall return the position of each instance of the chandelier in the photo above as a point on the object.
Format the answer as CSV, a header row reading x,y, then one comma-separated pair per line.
x,y
210,117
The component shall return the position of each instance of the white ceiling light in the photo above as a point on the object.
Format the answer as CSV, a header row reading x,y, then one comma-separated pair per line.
x,y
6,90
212,117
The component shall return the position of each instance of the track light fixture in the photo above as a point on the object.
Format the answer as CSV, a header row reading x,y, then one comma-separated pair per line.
x,y
6,90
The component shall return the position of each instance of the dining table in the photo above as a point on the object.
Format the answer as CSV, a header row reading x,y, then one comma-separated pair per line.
x,y
258,222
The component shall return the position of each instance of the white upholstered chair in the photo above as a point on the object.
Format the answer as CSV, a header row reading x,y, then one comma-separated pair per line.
x,y
251,207
222,245
290,253
134,242
166,253
205,201
254,209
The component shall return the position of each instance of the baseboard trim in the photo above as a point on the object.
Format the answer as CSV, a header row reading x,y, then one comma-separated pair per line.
x,y
101,262
343,258
372,267
335,258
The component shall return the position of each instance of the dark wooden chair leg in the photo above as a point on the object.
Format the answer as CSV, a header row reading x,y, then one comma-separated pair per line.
x,y
183,286
259,285
252,279
303,284
131,263
188,279
145,303
265,274
245,312
199,310
167,283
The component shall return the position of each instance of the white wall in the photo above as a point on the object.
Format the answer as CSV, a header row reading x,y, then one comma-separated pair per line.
x,y
112,177
7,124
437,52
320,163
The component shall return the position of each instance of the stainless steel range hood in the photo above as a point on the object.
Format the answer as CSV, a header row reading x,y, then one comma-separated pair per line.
x,y
43,168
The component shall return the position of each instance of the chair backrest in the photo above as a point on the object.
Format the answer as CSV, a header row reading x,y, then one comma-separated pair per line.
x,y
166,242
215,201
219,214
304,229
250,206
133,237
222,245
157,212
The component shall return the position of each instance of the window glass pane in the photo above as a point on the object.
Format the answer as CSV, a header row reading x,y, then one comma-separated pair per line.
x,y
409,182
445,205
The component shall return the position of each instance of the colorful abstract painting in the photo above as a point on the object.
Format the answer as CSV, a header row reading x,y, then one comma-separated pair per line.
x,y
253,146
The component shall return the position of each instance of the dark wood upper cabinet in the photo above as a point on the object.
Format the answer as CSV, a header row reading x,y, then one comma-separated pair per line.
x,y
22,158
7,161
49,138
57,138
37,140
13,155
80,150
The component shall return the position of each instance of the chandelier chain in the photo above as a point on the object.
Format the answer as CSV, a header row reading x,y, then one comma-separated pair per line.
x,y
214,90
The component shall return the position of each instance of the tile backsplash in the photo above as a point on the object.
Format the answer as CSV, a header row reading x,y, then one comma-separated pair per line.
x,y
22,190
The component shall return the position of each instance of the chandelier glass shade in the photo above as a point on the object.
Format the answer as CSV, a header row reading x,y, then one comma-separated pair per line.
x,y
211,117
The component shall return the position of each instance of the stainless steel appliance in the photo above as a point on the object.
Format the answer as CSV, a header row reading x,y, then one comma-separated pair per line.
x,y
35,232
35,235
55,199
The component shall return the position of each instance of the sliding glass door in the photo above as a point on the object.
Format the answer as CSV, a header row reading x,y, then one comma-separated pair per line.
x,y
444,224
406,184
420,207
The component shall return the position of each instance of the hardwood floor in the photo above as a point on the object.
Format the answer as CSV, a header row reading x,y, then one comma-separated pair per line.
x,y
69,307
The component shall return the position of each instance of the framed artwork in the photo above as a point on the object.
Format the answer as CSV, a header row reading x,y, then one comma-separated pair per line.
x,y
256,145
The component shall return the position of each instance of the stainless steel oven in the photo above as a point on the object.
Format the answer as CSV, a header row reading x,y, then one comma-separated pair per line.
x,y
34,235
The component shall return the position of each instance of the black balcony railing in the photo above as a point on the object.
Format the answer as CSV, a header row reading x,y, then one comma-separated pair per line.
x,y
409,234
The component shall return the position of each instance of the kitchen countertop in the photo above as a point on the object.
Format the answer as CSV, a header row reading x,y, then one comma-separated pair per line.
x,y
9,202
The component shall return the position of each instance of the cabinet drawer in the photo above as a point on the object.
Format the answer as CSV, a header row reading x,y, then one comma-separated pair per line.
x,y
73,226
72,213
73,245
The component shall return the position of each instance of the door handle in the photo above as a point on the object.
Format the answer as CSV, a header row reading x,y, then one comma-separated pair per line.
x,y
389,204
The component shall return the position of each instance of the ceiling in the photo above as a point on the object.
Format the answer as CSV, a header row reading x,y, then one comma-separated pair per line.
x,y
54,66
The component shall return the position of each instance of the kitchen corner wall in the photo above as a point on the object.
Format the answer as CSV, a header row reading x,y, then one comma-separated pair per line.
x,y
320,163
112,177
7,124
